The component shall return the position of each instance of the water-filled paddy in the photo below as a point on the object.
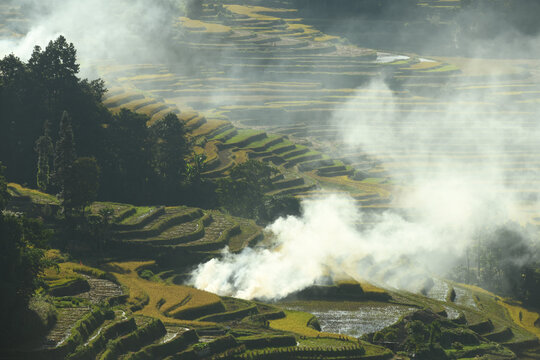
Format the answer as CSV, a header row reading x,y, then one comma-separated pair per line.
x,y
439,290
452,312
464,297
351,318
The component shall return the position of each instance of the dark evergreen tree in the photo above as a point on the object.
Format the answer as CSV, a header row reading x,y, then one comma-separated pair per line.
x,y
170,148
126,158
239,197
42,89
195,169
56,68
243,193
64,156
44,148
256,173
20,123
82,187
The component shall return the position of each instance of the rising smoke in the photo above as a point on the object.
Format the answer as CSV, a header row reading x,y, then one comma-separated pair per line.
x,y
334,239
448,168
453,184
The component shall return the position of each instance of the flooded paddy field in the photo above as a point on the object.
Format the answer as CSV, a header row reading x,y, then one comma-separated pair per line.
x,y
439,291
351,318
464,297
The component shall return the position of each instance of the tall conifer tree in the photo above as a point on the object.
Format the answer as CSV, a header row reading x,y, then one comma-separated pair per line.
x,y
64,157
44,149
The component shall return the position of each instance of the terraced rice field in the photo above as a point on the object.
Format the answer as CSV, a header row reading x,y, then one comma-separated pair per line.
x,y
67,317
99,291
161,301
273,73
189,235
292,85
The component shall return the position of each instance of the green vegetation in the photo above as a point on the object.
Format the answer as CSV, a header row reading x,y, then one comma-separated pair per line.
x,y
295,322
159,174
21,261
244,135
243,194
153,330
92,348
171,347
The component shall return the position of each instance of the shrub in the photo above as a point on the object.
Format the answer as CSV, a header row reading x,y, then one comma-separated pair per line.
x,y
378,337
391,335
147,274
200,346
314,323
451,297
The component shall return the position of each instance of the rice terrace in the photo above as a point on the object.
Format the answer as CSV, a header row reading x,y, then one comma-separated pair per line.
x,y
278,179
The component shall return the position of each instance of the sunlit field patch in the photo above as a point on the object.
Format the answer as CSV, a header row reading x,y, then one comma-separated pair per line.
x,y
296,322
253,11
36,196
198,25
160,296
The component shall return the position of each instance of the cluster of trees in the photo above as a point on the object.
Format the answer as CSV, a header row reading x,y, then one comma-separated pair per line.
x,y
243,193
505,261
57,135
22,244
49,117
36,93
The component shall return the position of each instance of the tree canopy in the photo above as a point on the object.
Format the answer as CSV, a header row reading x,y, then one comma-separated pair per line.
x,y
41,90
21,261
44,102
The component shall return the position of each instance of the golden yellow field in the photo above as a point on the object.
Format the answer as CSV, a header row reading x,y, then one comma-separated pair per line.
x,y
253,11
297,321
36,196
65,271
160,295
523,317
197,25
209,126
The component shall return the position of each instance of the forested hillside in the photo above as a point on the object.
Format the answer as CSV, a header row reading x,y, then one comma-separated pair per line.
x,y
282,179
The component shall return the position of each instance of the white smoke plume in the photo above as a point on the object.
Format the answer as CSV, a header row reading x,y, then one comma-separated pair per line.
x,y
441,207
333,238
442,201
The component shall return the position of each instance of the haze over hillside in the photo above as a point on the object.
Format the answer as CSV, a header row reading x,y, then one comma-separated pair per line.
x,y
395,145
456,139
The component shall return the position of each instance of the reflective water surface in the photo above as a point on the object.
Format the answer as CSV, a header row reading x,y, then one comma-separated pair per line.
x,y
351,318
